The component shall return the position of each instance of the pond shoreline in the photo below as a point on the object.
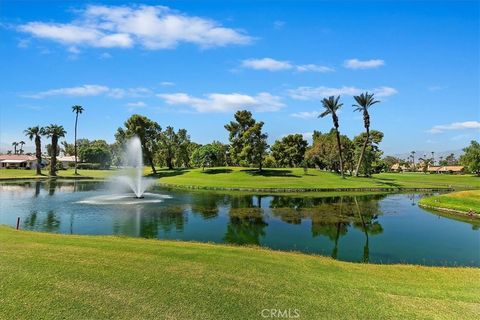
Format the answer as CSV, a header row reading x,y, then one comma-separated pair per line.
x,y
453,212
299,190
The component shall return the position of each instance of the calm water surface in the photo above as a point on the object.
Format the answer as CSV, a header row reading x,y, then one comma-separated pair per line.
x,y
374,228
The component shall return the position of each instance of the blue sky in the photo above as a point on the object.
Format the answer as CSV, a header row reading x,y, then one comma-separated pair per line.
x,y
192,64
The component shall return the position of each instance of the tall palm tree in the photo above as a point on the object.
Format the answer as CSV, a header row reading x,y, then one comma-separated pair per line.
x,y
364,101
15,145
78,110
413,160
36,132
21,143
54,132
433,158
331,106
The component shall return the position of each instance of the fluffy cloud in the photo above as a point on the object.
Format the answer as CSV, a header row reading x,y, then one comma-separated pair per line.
x,y
219,102
455,126
279,65
91,90
266,64
315,93
363,64
305,114
153,27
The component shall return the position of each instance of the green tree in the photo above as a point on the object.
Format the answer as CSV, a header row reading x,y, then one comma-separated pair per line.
x,y
364,102
15,145
168,146
54,132
68,148
471,157
290,150
426,162
78,110
98,151
182,154
148,131
324,151
372,154
36,133
331,106
248,143
205,156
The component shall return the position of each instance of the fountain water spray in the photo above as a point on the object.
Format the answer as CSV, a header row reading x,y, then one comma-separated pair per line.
x,y
132,175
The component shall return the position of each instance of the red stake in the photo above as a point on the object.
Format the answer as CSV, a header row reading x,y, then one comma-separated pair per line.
x,y
18,222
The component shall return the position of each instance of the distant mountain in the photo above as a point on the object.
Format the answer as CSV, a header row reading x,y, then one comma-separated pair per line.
x,y
421,153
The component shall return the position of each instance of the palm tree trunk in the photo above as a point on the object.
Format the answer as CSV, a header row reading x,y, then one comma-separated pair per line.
x,y
76,121
38,154
53,160
363,151
339,152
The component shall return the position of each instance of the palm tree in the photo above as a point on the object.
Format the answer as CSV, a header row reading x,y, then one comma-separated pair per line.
x,y
77,109
433,158
413,160
21,143
15,145
54,131
364,101
331,106
36,132
427,162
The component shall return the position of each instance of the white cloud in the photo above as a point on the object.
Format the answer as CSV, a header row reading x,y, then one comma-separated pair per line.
x,y
305,114
279,65
266,64
91,90
105,55
315,93
455,126
138,104
219,102
313,68
153,27
167,83
363,64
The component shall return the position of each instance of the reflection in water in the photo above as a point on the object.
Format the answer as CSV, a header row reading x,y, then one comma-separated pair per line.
x,y
355,228
246,225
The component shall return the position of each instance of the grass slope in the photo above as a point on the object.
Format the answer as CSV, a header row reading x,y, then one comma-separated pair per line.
x,y
462,201
50,276
241,178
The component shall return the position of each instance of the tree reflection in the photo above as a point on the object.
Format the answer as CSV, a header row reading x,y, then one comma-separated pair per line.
x,y
332,217
206,204
246,225
48,223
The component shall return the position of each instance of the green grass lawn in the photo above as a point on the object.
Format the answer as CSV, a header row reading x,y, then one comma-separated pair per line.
x,y
7,174
242,178
462,201
51,276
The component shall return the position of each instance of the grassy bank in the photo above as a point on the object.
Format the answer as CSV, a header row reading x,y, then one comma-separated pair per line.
x,y
10,174
460,202
250,179
286,180
56,276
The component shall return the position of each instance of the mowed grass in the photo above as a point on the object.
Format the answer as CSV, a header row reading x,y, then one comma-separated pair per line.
x,y
7,174
462,201
244,178
51,276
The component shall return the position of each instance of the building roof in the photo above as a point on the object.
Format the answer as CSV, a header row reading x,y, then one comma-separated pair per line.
x,y
445,168
66,159
22,157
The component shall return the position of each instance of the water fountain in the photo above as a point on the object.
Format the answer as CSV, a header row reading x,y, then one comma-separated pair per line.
x,y
130,176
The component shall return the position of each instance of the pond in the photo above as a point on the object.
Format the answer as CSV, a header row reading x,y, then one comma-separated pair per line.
x,y
377,228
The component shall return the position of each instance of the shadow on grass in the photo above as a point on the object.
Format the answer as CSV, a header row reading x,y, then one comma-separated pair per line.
x,y
388,182
271,173
167,173
217,171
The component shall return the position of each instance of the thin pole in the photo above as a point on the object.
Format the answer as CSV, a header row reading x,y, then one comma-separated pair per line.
x,y
18,222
